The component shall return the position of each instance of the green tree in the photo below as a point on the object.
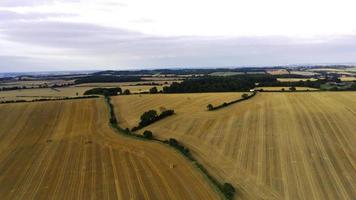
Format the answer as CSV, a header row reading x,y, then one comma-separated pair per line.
x,y
210,107
228,190
126,92
153,90
148,117
244,96
293,89
147,134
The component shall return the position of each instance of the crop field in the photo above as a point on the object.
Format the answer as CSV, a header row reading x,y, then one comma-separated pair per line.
x,y
72,91
273,146
304,73
130,108
34,83
66,150
295,79
277,71
28,94
348,78
132,86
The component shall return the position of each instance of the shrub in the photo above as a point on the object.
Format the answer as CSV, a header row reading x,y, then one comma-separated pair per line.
x,y
244,96
148,134
126,92
113,120
210,107
173,142
293,89
228,190
153,90
151,116
148,117
166,113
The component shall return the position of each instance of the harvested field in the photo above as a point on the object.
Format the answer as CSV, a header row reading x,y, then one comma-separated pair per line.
x,y
295,79
34,83
29,94
136,105
132,86
66,150
277,71
348,78
304,73
273,146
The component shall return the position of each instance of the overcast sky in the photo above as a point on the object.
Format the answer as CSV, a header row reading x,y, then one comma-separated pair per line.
x,y
45,35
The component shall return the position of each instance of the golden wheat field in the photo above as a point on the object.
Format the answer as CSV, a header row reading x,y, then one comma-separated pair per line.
x,y
29,94
130,108
273,146
295,79
66,150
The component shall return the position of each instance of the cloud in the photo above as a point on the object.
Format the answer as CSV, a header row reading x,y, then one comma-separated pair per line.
x,y
89,45
29,3
70,34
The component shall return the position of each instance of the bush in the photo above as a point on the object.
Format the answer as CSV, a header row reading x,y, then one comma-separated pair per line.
x,y
244,96
113,120
228,190
126,92
210,107
153,90
148,134
166,113
151,116
292,89
173,142
148,117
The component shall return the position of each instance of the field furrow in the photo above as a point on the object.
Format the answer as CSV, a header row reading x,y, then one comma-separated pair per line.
x,y
66,150
274,146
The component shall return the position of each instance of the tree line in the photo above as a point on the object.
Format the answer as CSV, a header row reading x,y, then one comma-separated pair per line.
x,y
218,84
107,79
107,91
244,97
150,117
227,189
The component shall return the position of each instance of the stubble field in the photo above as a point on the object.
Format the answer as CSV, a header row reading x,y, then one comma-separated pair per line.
x,y
273,146
66,150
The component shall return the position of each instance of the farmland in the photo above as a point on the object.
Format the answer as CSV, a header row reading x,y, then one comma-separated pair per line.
x,y
285,88
130,108
29,94
295,79
273,146
66,150
77,90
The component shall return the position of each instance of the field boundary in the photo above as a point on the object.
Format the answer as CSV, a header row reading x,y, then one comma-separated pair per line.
x,y
219,187
159,117
212,108
54,99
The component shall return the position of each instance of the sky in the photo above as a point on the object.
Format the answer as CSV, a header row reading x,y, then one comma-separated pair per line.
x,y
53,35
